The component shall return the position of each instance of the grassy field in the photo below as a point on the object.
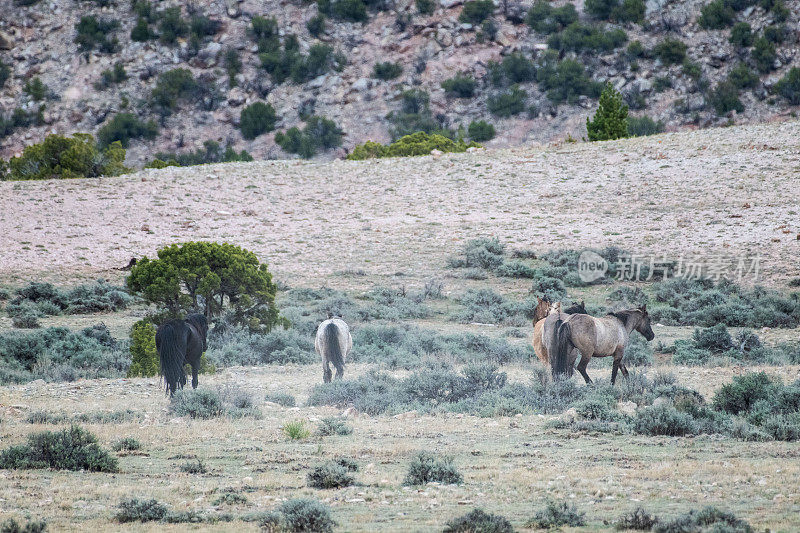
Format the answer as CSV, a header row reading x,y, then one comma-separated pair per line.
x,y
399,223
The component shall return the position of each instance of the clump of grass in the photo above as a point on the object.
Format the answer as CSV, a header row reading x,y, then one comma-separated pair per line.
x,y
136,510
426,467
477,521
557,514
230,498
194,467
296,430
197,403
722,521
32,526
330,475
44,417
638,519
128,444
73,448
664,420
333,426
300,514
281,398
207,403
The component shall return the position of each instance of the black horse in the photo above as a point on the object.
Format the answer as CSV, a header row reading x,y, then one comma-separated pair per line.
x,y
179,342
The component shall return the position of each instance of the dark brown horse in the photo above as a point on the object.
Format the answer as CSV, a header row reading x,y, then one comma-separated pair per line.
x,y
598,337
180,342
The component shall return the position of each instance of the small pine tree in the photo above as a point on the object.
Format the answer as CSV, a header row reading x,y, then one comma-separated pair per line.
x,y
144,358
611,120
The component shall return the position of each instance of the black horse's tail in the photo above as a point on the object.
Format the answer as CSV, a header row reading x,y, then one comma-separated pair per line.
x,y
559,362
330,340
171,346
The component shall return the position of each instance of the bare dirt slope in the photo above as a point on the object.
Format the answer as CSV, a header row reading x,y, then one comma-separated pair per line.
x,y
718,191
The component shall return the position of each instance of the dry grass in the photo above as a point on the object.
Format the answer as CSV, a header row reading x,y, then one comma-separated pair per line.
x,y
510,465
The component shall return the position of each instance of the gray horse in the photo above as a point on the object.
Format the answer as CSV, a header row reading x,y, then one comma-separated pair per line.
x,y
598,337
333,344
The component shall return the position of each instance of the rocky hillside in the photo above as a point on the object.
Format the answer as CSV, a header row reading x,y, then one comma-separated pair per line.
x,y
72,66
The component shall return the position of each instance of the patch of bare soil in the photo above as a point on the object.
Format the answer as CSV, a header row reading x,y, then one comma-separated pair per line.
x,y
727,191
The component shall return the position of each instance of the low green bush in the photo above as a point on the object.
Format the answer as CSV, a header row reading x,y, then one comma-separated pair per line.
x,y
316,25
126,126
557,514
136,510
789,86
425,7
479,520
724,98
476,11
426,467
565,81
173,87
416,144
281,398
194,467
670,51
387,70
716,15
579,37
111,77
126,444
66,157
707,519
508,103
330,475
544,18
171,25
663,420
741,35
318,133
638,519
643,126
480,131
296,430
741,77
31,526
764,55
460,86
257,118
5,73
70,449
198,403
93,33
211,152
333,426
306,514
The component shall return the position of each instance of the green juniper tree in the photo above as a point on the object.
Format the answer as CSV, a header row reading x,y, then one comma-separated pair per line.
x,y
611,120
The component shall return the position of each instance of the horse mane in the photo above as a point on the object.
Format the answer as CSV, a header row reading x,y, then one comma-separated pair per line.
x,y
624,315
576,308
198,321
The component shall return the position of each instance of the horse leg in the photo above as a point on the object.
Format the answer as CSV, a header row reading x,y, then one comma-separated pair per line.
x,y
618,365
194,374
326,371
585,358
339,373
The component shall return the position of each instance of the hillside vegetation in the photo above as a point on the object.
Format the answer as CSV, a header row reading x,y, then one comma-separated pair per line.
x,y
271,80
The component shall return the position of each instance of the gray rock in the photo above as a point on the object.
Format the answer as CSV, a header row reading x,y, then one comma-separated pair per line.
x,y
447,4
6,41
361,85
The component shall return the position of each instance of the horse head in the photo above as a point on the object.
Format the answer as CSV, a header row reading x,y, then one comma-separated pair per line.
x,y
643,326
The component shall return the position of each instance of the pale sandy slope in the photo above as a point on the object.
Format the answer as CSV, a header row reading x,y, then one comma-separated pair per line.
x,y
730,191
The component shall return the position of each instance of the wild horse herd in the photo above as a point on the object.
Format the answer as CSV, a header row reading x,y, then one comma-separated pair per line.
x,y
559,337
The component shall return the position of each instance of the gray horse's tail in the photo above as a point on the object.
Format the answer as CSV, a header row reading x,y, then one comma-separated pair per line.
x,y
559,362
171,346
330,340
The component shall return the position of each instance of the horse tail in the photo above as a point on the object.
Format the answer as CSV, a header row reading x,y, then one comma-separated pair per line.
x,y
332,349
560,360
171,347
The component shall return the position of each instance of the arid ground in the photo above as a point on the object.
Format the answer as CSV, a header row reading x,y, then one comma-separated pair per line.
x,y
352,225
